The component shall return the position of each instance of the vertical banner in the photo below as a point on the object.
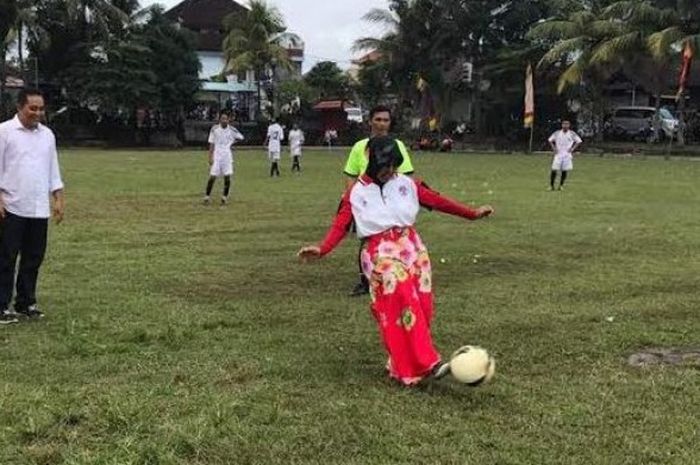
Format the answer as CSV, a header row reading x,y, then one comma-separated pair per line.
x,y
685,69
529,120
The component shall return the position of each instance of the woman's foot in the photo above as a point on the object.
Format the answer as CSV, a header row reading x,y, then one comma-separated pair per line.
x,y
441,370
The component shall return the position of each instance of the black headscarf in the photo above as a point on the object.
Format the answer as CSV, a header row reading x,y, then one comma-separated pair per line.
x,y
383,152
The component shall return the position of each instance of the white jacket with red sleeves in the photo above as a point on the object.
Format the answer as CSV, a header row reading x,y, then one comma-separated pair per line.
x,y
377,209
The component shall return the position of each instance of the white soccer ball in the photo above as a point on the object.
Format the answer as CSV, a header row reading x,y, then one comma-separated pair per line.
x,y
472,365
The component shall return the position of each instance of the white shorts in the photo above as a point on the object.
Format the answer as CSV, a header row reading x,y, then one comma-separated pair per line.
x,y
273,156
296,152
563,163
222,166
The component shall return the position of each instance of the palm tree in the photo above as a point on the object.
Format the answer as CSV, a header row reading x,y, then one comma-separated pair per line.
x,y
99,18
627,46
395,47
576,42
67,32
415,46
250,42
681,20
660,29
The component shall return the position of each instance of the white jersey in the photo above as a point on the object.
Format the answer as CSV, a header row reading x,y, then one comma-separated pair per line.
x,y
223,139
564,142
394,205
275,136
296,141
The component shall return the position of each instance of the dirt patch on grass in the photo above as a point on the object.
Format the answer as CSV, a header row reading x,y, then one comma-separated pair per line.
x,y
665,356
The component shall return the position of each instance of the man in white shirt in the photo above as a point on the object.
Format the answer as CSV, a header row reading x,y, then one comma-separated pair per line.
x,y
564,143
296,142
275,136
29,176
221,139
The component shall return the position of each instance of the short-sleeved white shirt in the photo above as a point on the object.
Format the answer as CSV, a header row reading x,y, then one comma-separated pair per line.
x,y
275,135
223,139
564,141
29,170
296,141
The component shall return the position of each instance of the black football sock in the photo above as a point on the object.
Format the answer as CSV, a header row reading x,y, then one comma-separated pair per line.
x,y
552,179
564,175
210,185
227,185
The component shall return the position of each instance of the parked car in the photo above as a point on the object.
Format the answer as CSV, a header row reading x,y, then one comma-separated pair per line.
x,y
632,121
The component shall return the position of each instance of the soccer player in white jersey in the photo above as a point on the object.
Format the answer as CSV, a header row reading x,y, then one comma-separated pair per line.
x,y
275,136
221,139
296,142
564,143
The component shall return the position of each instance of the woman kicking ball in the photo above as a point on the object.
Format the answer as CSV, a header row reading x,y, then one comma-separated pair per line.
x,y
384,206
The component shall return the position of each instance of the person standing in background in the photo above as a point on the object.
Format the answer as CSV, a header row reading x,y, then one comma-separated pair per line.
x,y
221,139
296,142
564,143
275,136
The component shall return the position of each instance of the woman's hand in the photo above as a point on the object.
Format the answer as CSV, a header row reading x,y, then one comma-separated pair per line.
x,y
309,253
485,210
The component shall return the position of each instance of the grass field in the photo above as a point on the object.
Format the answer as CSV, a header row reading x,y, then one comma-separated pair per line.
x,y
183,334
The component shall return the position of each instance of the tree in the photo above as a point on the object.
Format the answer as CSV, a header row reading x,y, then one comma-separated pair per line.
x,y
174,61
250,44
98,19
116,81
374,82
492,36
416,45
328,80
296,95
8,17
435,39
627,47
154,65
646,38
27,28
394,46
681,27
575,42
680,24
73,32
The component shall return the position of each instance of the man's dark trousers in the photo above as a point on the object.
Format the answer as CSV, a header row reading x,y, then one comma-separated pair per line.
x,y
25,237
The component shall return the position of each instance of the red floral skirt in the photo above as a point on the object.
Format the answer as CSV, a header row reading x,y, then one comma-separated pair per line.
x,y
397,265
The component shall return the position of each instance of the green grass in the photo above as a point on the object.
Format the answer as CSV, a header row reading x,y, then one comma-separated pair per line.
x,y
178,334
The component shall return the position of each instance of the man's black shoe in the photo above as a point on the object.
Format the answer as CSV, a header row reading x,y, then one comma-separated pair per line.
x,y
7,317
31,312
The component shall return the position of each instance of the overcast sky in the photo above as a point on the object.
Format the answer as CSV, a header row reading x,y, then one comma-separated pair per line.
x,y
329,27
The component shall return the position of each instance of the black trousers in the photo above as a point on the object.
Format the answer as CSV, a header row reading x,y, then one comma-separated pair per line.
x,y
25,237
